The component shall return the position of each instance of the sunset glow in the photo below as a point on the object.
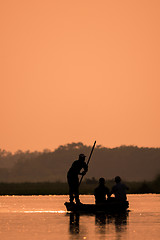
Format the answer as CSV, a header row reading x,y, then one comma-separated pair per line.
x,y
79,71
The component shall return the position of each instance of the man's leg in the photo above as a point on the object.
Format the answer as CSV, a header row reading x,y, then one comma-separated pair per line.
x,y
77,196
71,197
71,189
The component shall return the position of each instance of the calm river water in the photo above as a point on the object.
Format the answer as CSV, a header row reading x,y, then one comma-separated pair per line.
x,y
45,218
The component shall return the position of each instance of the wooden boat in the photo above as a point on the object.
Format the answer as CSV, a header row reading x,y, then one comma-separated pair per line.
x,y
108,206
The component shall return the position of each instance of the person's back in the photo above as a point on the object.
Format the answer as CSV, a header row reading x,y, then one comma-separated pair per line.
x,y
76,167
119,190
101,191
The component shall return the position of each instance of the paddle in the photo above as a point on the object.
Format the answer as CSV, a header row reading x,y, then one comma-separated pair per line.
x,y
88,160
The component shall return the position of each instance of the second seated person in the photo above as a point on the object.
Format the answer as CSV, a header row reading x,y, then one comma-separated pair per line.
x,y
119,190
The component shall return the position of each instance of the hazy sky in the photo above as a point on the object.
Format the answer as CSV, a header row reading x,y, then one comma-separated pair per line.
x,y
82,70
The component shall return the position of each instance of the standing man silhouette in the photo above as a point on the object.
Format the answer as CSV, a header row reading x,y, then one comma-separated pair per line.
x,y
72,177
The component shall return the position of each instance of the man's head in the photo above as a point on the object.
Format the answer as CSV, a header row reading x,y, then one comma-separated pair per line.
x,y
101,181
82,157
117,179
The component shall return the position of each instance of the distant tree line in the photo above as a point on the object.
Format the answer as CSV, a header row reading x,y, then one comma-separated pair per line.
x,y
130,162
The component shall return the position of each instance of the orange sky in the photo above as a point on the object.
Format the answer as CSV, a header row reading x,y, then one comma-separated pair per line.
x,y
75,71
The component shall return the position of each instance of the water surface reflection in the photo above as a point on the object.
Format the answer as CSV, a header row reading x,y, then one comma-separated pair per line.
x,y
102,223
74,223
45,218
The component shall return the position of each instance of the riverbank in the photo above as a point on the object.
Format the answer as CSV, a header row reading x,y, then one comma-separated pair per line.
x,y
87,187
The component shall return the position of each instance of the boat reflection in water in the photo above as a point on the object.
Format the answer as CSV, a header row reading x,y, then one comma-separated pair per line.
x,y
74,223
119,220
101,221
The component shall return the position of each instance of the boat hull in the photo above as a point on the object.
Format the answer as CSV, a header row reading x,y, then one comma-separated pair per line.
x,y
113,207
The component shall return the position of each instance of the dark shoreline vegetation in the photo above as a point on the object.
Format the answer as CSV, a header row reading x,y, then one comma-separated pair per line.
x,y
87,187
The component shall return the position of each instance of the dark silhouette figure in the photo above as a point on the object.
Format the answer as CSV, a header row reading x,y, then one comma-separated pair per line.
x,y
72,177
101,191
119,190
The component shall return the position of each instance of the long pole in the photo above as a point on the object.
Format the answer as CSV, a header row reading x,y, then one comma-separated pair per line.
x,y
88,161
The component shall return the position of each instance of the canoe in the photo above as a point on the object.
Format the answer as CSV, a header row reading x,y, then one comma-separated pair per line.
x,y
108,206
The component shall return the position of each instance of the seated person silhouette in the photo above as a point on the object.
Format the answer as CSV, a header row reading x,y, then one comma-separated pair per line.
x,y
72,177
101,191
119,190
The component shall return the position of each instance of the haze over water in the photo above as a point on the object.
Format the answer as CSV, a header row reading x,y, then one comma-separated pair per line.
x,y
45,218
